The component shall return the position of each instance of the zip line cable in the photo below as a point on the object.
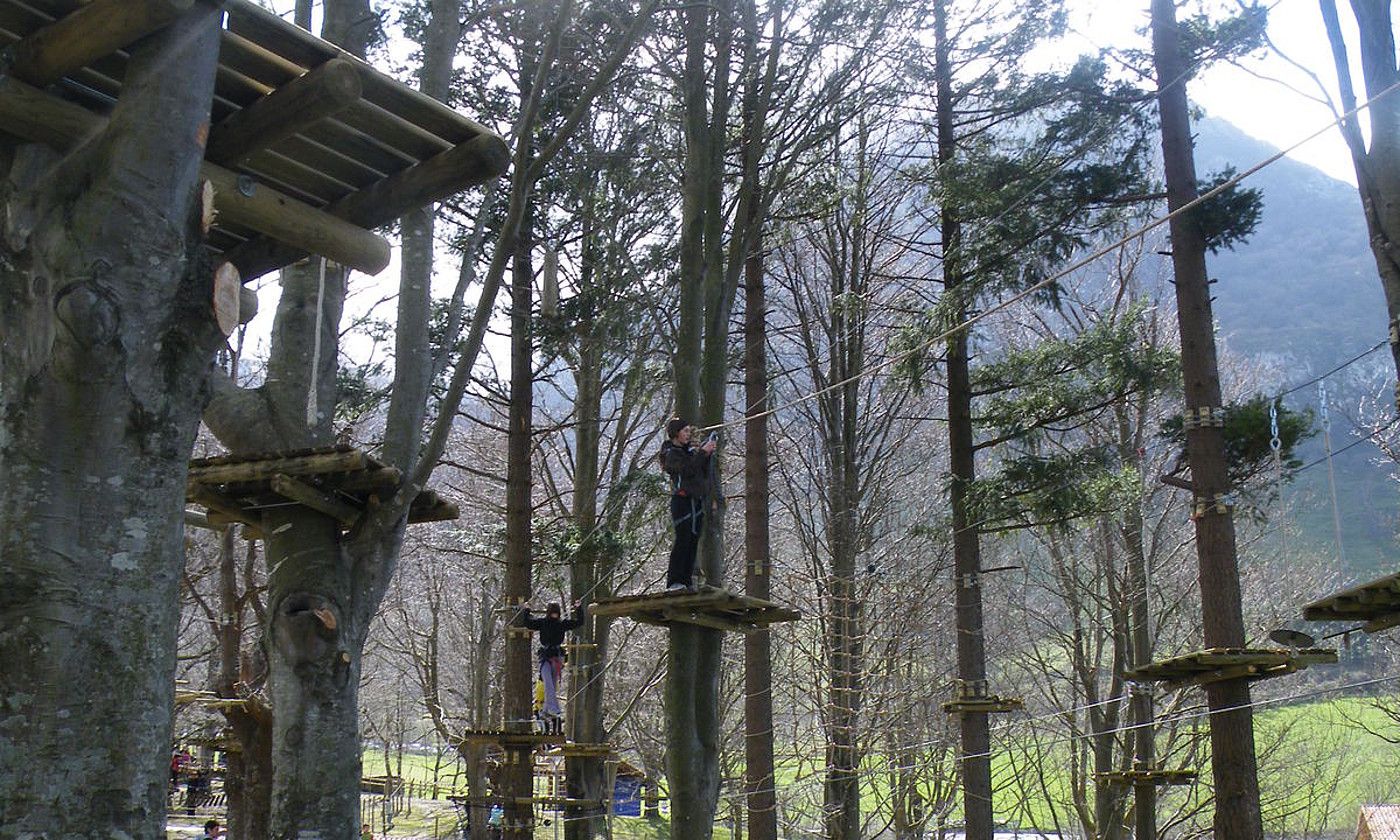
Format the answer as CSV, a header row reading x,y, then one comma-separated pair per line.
x,y
1052,279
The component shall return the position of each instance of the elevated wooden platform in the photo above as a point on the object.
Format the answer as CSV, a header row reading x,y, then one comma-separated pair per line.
x,y
309,150
548,803
512,739
974,696
711,607
580,749
338,481
207,700
991,704
1218,664
1148,777
1376,603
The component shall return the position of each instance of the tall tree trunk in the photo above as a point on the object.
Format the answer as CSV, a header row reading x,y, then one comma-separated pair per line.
x,y
1143,715
1377,167
699,364
248,782
758,567
586,775
106,339
518,820
1231,720
967,561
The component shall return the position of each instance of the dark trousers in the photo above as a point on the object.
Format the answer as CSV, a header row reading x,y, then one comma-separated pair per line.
x,y
688,515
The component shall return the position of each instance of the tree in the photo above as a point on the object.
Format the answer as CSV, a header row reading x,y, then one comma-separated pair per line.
x,y
1377,163
314,660
1232,721
1039,190
108,335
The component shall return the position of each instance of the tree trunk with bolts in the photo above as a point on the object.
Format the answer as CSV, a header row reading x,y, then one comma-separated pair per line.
x,y
1233,762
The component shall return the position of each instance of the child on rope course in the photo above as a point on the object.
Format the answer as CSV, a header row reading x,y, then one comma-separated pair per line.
x,y
689,468
552,629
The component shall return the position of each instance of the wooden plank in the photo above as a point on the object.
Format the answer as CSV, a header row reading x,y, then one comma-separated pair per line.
x,y
305,182
286,111
94,30
305,494
264,469
229,509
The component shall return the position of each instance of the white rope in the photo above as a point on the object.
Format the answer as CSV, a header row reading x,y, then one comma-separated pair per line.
x,y
311,409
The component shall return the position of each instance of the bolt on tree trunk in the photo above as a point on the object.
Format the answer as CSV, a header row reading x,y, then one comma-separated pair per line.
x,y
1231,721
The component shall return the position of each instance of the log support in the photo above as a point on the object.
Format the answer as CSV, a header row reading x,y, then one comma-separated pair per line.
x,y
287,110
92,31
31,114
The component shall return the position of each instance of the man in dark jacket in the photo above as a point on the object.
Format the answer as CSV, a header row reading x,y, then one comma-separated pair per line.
x,y
689,469
552,629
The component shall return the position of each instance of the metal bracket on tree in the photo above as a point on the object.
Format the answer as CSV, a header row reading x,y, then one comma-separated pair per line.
x,y
1201,417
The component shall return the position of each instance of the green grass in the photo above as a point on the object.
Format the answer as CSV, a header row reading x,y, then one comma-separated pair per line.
x,y
1318,764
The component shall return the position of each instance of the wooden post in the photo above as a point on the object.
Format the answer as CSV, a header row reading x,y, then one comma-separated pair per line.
x,y
1231,720
92,31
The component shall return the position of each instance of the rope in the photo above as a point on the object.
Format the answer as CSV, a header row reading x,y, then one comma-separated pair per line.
x,y
311,410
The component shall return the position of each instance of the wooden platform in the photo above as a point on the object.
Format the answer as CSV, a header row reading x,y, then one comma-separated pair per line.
x,y
579,749
1219,664
207,700
1376,603
337,481
309,149
548,803
991,704
1148,777
718,609
516,739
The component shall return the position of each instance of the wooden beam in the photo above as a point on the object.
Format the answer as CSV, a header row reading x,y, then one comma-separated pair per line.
x,y
450,172
265,468
369,480
714,622
92,31
197,519
287,110
305,494
242,200
227,509
31,114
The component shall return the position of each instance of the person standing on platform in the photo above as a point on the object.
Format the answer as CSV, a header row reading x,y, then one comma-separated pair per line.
x,y
689,469
552,629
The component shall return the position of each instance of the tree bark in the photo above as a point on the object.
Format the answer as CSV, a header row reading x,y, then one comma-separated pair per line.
x,y
106,339
967,561
699,367
1377,165
518,820
1233,763
758,646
